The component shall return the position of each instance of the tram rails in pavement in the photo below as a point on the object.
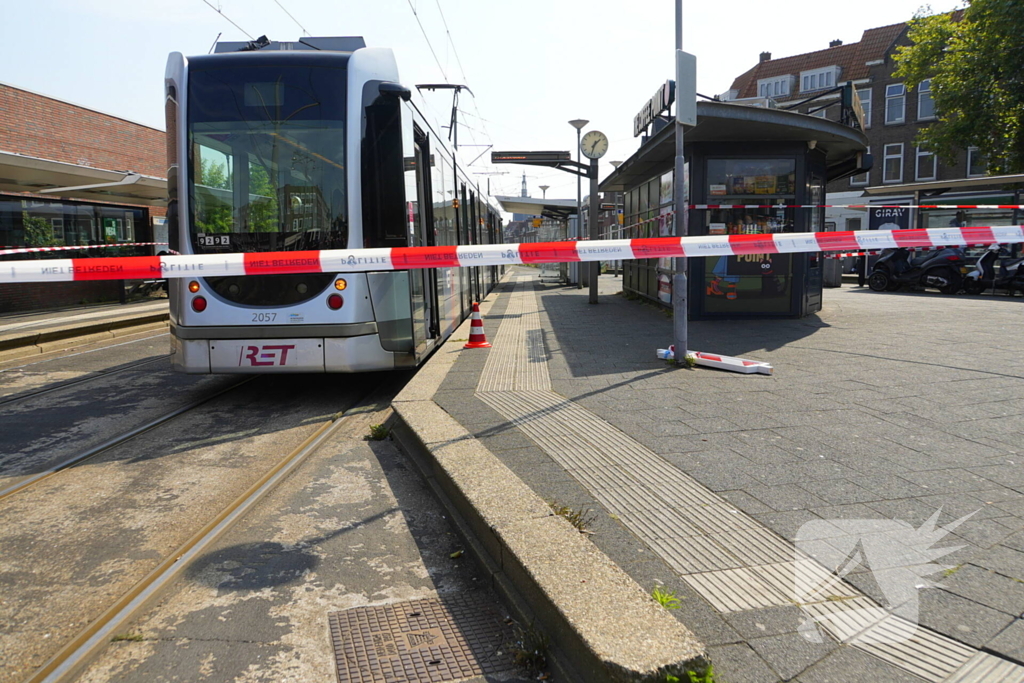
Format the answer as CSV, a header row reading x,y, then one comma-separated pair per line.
x,y
85,548
305,146
34,393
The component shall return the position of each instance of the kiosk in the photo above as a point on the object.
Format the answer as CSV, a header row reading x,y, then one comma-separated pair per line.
x,y
745,155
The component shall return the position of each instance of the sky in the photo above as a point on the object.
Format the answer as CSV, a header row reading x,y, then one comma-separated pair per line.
x,y
532,64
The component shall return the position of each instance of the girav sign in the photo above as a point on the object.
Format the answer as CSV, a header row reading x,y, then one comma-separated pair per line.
x,y
662,100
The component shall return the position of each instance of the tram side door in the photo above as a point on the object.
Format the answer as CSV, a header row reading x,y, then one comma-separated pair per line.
x,y
474,238
464,238
422,290
425,233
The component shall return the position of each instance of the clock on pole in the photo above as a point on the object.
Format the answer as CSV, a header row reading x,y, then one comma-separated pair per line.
x,y
594,144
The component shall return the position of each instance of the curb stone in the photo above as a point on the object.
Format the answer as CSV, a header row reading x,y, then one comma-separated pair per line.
x,y
34,343
601,626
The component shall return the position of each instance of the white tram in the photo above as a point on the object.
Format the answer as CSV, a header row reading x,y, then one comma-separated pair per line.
x,y
306,146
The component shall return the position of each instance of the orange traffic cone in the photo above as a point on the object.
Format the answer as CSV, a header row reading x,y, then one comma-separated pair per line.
x,y
477,338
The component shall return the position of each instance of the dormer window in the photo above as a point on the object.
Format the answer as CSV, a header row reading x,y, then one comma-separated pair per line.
x,y
819,79
779,86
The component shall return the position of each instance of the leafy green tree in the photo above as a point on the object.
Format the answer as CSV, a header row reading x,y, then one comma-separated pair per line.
x,y
263,215
976,67
213,208
38,231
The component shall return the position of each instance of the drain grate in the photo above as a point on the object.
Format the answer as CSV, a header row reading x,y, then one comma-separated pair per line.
x,y
435,640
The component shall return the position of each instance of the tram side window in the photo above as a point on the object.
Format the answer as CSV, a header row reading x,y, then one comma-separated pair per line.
x,y
444,202
383,169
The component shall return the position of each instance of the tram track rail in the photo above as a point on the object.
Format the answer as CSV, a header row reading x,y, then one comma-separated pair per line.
x,y
115,441
24,396
76,653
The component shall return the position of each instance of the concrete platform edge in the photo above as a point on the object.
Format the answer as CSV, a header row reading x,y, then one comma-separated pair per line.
x,y
551,576
40,342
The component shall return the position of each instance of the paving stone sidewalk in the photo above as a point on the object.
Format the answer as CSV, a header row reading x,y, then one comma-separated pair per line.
x,y
882,406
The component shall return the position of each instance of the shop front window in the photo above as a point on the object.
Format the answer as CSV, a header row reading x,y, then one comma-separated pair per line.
x,y
42,223
749,283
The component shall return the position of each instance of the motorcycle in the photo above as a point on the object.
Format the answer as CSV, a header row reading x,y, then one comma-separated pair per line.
x,y
941,269
1011,273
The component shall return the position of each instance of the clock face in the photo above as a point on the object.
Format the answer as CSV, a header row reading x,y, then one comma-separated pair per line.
x,y
594,144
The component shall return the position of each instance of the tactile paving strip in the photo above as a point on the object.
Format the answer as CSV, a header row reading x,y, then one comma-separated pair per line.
x,y
434,640
728,557
984,668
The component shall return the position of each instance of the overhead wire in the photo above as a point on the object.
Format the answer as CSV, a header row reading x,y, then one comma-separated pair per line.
x,y
278,3
220,12
429,45
458,60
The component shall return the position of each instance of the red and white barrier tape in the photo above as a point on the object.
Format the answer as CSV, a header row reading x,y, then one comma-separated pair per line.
x,y
402,258
851,253
875,252
31,250
856,206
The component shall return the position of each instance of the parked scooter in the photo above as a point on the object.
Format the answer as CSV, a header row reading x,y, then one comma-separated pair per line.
x,y
941,269
1010,278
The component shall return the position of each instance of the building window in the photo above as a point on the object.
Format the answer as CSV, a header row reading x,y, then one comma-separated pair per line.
x,y
865,102
925,104
976,162
861,179
926,165
895,103
892,164
774,87
58,228
819,79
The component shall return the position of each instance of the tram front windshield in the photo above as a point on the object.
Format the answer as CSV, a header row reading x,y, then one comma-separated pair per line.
x,y
267,158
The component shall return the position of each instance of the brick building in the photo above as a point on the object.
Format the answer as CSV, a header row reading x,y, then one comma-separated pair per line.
x,y
72,176
903,173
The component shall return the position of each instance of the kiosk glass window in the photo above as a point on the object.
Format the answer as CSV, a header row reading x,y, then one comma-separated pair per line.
x,y
749,283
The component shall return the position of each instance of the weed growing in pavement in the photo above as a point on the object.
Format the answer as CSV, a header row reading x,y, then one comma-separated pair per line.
x,y
132,637
666,598
529,648
581,519
378,433
952,570
689,361
704,675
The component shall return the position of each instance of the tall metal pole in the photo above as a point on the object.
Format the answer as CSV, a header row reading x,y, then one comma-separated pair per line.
x,y
680,323
578,125
595,206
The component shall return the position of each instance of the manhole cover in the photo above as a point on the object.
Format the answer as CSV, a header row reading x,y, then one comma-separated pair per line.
x,y
442,639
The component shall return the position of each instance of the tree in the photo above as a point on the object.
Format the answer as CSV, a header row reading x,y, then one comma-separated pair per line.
x,y
38,231
976,67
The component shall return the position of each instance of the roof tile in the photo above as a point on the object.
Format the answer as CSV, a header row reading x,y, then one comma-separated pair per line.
x,y
874,44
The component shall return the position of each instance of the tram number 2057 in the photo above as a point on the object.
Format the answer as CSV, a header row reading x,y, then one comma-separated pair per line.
x,y
264,317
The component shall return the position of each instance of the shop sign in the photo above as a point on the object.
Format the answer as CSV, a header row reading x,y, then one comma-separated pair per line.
x,y
888,219
659,102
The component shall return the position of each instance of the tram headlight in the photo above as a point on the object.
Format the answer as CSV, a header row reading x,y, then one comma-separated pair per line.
x,y
193,286
334,302
199,304
340,284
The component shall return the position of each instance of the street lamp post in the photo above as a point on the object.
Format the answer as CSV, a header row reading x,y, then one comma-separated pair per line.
x,y
578,125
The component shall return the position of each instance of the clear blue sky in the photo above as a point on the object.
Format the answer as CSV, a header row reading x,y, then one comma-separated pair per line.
x,y
533,64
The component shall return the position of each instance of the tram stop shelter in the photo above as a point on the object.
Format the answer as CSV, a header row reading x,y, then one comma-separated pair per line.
x,y
737,154
554,225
